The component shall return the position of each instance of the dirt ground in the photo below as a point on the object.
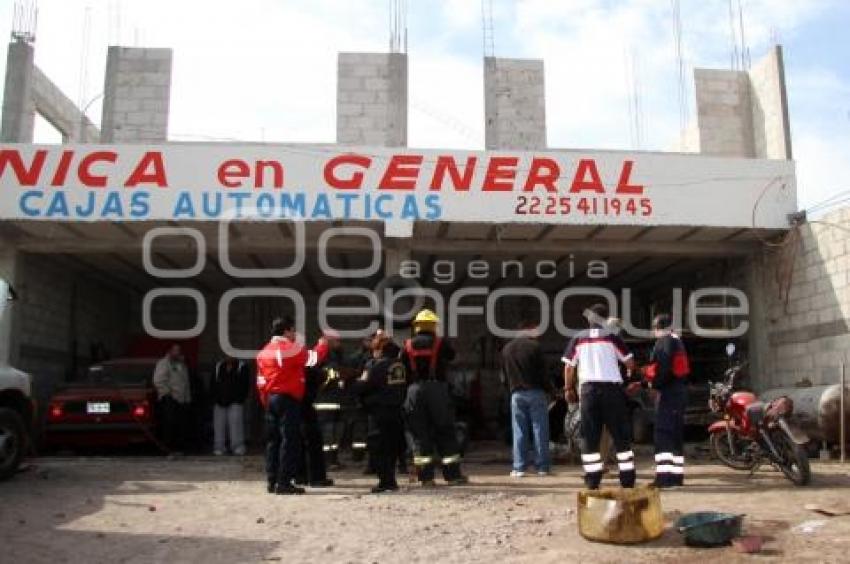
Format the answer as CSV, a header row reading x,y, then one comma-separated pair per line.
x,y
203,509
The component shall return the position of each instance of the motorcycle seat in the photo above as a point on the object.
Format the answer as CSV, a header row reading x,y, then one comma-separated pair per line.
x,y
755,412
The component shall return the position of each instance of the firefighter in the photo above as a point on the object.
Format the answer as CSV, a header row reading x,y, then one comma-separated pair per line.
x,y
592,378
281,388
382,388
312,468
428,405
667,373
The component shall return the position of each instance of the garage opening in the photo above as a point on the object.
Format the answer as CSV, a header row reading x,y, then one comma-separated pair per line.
x,y
93,293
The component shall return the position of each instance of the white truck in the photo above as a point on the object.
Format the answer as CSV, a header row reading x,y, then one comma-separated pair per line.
x,y
17,408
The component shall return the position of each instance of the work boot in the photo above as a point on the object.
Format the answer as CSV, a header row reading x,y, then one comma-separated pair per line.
x,y
288,489
383,488
429,484
666,482
270,486
325,483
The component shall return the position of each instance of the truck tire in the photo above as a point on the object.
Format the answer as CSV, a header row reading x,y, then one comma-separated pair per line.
x,y
12,442
641,427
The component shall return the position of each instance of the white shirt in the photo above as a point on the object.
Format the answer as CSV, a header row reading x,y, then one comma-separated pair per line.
x,y
597,352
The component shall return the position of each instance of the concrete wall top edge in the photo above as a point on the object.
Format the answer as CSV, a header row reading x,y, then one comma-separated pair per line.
x,y
514,60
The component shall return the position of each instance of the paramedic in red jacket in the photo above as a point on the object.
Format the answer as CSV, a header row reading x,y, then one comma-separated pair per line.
x,y
667,373
281,384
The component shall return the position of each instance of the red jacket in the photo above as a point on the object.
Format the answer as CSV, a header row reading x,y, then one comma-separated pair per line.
x,y
280,367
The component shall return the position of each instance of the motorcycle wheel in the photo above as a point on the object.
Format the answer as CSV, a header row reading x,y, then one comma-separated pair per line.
x,y
795,460
720,450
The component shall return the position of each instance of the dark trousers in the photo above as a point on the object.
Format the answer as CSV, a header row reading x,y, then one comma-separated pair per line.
x,y
175,422
386,442
332,427
431,422
603,405
670,434
283,438
355,430
311,463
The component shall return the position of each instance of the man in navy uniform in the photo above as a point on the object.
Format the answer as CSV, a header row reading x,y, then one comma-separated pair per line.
x,y
667,373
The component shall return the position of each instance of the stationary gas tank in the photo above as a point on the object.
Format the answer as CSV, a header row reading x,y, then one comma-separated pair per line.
x,y
738,403
817,410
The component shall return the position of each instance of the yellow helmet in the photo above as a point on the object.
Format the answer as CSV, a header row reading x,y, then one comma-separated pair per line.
x,y
426,316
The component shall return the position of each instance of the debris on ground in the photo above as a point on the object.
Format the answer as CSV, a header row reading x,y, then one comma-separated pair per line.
x,y
495,520
838,509
808,527
748,545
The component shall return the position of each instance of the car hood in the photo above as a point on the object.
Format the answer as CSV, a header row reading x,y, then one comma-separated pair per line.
x,y
12,378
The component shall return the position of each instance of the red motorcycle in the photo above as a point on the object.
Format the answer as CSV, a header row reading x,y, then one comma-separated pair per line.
x,y
752,433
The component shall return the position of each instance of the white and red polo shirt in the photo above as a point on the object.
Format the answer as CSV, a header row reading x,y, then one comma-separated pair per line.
x,y
597,352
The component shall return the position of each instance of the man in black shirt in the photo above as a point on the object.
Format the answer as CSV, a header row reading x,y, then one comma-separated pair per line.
x,y
525,370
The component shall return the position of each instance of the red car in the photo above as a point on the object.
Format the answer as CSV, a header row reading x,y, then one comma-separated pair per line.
x,y
113,406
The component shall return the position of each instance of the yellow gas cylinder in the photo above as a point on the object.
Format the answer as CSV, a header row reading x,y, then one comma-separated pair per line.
x,y
620,515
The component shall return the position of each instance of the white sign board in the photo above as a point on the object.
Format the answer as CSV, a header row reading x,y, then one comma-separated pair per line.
x,y
186,182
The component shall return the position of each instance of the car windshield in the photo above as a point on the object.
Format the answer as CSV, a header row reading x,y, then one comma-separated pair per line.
x,y
120,375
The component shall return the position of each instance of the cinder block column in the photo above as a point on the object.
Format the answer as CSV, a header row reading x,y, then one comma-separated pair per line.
x,y
769,99
18,104
371,102
724,113
743,113
136,98
514,104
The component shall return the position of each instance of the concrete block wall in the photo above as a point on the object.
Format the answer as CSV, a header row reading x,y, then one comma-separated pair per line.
x,y
514,104
371,103
742,113
769,100
724,113
57,307
137,92
809,339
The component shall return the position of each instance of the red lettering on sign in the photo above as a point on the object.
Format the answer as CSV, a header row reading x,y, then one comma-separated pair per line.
x,y
448,165
62,170
353,182
401,173
586,166
623,186
277,172
26,176
543,172
150,170
232,172
501,172
84,171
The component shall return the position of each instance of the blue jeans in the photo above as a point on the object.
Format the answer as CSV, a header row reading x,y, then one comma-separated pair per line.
x,y
530,414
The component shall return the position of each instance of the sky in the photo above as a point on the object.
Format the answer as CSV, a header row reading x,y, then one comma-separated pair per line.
x,y
265,70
